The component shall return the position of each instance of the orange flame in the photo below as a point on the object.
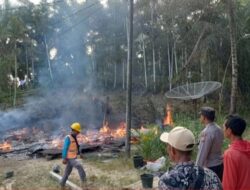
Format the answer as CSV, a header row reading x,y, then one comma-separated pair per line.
x,y
116,133
120,131
92,136
5,147
58,143
168,120
82,139
105,129
20,134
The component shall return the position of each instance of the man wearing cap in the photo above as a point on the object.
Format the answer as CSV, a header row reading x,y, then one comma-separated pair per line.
x,y
185,174
210,143
69,155
237,157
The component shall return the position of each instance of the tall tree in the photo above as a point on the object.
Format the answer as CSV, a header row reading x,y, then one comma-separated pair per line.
x,y
232,26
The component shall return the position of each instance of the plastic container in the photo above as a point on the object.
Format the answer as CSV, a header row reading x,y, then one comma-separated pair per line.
x,y
138,161
147,180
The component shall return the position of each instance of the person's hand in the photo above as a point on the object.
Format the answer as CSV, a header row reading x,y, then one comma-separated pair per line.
x,y
64,161
81,156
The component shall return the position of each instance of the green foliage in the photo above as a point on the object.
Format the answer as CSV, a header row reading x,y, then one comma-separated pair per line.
x,y
172,29
189,122
150,146
196,127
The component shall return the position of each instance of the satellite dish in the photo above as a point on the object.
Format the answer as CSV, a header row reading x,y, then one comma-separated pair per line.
x,y
193,91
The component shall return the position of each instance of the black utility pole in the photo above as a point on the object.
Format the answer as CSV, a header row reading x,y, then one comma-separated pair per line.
x,y
129,79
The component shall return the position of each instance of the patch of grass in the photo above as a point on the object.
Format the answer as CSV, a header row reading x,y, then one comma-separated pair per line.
x,y
115,164
118,172
34,174
30,174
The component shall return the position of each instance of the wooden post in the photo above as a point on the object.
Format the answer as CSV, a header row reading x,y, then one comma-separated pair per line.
x,y
129,79
68,183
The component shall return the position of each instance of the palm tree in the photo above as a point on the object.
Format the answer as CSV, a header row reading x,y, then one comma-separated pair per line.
x,y
232,27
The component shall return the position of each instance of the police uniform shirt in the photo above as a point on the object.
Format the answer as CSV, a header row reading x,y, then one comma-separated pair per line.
x,y
210,146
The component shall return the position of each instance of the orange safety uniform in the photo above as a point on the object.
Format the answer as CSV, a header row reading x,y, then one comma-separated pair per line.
x,y
73,149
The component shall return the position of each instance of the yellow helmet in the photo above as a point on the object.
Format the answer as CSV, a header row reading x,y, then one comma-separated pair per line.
x,y
76,127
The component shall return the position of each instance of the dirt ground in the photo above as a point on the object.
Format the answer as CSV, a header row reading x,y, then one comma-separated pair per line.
x,y
108,173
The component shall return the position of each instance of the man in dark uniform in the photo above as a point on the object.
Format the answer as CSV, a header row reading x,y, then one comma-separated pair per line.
x,y
210,143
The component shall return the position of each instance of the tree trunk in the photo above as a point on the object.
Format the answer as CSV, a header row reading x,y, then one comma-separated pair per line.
x,y
175,59
105,72
47,53
124,61
93,61
144,63
115,75
169,69
210,68
159,61
232,27
33,68
127,27
185,61
172,62
152,5
15,78
154,72
27,63
222,86
123,75
195,47
203,61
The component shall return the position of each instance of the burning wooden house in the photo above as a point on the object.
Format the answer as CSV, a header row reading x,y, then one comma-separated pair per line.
x,y
39,144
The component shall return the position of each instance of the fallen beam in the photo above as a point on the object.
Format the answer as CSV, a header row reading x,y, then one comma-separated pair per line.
x,y
13,151
68,183
89,148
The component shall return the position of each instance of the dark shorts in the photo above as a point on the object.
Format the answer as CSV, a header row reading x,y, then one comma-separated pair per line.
x,y
218,170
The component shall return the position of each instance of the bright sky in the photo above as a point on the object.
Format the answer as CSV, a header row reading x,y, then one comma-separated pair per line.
x,y
16,2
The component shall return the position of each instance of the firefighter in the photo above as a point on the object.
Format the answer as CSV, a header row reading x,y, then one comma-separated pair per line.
x,y
69,155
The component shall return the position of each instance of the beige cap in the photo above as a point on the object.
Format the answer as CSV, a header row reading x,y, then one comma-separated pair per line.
x,y
180,138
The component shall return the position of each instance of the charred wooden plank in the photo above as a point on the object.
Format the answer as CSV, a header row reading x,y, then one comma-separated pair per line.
x,y
51,151
89,148
14,151
115,143
51,154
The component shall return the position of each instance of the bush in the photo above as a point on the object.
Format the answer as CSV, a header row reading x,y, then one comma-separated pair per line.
x,y
150,146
